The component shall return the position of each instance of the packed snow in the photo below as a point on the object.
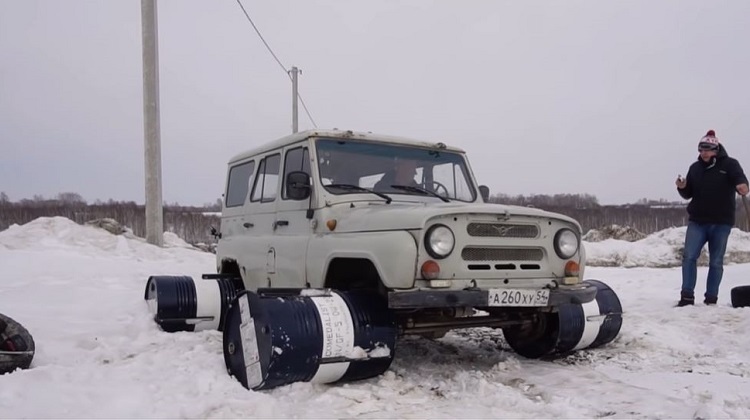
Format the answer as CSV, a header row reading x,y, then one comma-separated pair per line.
x,y
99,354
661,249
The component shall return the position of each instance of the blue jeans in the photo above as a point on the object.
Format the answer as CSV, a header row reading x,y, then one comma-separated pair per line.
x,y
697,235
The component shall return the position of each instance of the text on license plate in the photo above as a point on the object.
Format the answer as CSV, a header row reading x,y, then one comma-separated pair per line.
x,y
518,297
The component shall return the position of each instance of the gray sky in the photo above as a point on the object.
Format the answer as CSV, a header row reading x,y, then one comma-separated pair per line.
x,y
604,98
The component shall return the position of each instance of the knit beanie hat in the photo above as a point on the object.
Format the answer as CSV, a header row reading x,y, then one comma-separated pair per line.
x,y
709,141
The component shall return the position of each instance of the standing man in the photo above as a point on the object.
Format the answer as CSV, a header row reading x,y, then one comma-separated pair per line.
x,y
710,185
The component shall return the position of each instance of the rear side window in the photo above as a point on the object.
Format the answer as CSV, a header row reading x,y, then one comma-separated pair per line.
x,y
240,178
296,160
267,181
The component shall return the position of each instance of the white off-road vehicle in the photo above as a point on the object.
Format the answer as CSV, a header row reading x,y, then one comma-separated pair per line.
x,y
404,222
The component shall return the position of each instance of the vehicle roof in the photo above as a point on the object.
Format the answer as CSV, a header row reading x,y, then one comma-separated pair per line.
x,y
343,134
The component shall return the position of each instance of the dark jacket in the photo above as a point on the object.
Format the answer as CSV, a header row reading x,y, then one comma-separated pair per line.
x,y
711,186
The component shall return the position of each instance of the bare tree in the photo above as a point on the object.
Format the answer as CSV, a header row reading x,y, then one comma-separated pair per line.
x,y
70,198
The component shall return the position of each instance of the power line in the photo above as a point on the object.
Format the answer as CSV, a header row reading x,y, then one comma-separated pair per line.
x,y
277,60
261,36
306,111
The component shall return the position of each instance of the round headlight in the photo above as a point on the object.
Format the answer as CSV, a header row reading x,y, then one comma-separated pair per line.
x,y
439,241
566,243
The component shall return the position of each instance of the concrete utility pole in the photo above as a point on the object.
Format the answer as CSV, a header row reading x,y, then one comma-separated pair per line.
x,y
294,99
152,137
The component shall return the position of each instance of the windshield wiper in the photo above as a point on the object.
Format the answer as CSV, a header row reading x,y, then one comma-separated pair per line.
x,y
352,187
412,188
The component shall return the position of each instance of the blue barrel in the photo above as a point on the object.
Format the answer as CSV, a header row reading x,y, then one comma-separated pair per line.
x,y
592,324
317,336
181,304
573,327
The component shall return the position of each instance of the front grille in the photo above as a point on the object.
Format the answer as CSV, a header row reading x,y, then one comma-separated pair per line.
x,y
501,254
502,230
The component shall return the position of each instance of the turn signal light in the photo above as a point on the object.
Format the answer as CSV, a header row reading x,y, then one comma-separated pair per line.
x,y
572,269
331,224
430,270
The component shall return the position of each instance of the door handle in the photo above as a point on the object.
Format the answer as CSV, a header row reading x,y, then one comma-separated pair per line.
x,y
248,225
278,223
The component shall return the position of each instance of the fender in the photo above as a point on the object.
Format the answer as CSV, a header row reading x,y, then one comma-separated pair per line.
x,y
393,253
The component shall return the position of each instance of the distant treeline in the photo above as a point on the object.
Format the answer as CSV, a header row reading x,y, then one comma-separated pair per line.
x,y
646,216
193,224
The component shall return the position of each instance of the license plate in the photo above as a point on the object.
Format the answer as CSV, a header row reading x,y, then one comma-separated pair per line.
x,y
518,297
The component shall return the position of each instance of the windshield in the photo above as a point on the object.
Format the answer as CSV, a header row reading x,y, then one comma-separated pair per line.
x,y
387,168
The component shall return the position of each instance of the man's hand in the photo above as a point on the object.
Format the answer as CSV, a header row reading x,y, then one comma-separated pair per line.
x,y
742,189
682,182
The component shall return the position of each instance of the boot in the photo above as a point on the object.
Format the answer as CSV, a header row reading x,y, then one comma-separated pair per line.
x,y
686,302
686,299
710,300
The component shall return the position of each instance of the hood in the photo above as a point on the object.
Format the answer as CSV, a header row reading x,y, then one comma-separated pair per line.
x,y
369,216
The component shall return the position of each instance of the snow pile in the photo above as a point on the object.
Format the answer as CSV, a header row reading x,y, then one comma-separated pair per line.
x,y
53,234
660,249
79,291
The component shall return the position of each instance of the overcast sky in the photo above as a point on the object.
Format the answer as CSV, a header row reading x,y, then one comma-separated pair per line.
x,y
603,98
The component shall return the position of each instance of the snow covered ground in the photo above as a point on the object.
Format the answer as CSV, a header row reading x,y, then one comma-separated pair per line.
x,y
79,291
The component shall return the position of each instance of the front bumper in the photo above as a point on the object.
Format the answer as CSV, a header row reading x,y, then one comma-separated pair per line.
x,y
476,298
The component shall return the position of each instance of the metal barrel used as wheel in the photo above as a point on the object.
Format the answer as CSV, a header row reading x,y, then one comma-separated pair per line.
x,y
740,296
181,304
331,337
572,327
16,346
592,324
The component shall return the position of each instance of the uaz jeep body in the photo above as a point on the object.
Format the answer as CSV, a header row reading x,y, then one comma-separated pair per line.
x,y
335,210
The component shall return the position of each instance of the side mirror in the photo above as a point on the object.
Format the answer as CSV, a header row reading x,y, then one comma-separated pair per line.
x,y
485,192
298,185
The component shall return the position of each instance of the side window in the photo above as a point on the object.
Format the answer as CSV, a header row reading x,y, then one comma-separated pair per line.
x,y
267,180
451,178
296,160
240,178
